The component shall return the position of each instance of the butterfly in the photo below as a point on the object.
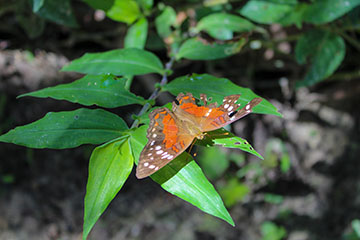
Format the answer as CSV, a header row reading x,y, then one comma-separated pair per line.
x,y
172,131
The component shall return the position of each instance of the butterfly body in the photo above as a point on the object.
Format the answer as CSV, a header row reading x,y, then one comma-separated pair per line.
x,y
171,132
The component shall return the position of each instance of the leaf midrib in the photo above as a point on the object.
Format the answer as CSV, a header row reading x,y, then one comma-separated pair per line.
x,y
158,70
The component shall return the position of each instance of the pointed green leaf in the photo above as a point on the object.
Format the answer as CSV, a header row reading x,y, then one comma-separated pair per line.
x,y
267,12
219,24
227,139
126,11
68,129
109,167
128,61
58,11
324,11
101,90
325,51
195,49
164,22
184,178
217,89
37,4
137,34
146,4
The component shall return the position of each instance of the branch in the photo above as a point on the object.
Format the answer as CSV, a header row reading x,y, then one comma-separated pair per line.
x,y
155,94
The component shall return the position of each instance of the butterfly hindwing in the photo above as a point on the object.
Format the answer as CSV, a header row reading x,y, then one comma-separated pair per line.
x,y
165,142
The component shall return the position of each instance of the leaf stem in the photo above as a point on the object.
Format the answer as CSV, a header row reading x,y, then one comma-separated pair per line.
x,y
128,82
155,94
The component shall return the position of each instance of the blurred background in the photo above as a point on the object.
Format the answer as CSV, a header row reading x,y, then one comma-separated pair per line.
x,y
308,186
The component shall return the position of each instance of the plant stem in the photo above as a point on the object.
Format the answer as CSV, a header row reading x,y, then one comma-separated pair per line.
x,y
345,76
155,94
128,82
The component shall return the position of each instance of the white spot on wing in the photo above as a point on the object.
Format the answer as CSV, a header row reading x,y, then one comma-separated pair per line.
x,y
230,108
158,148
159,152
208,113
154,135
152,143
226,105
157,168
152,166
170,157
146,164
247,107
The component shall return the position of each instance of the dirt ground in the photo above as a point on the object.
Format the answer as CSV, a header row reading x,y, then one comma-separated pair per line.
x,y
42,191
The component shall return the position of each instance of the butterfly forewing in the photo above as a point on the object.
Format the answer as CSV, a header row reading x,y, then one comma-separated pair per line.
x,y
166,140
227,113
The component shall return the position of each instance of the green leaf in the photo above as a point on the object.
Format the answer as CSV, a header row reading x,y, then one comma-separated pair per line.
x,y
266,12
37,4
109,167
126,11
217,88
356,226
146,4
222,25
31,23
68,129
351,20
196,49
233,192
324,11
184,178
100,4
101,90
213,161
325,51
58,11
164,22
229,140
273,198
295,16
137,34
128,61
270,231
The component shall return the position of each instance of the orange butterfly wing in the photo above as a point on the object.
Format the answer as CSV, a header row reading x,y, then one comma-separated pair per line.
x,y
166,140
210,117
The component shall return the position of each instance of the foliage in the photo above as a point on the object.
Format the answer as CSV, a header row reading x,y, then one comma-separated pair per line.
x,y
213,32
270,231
